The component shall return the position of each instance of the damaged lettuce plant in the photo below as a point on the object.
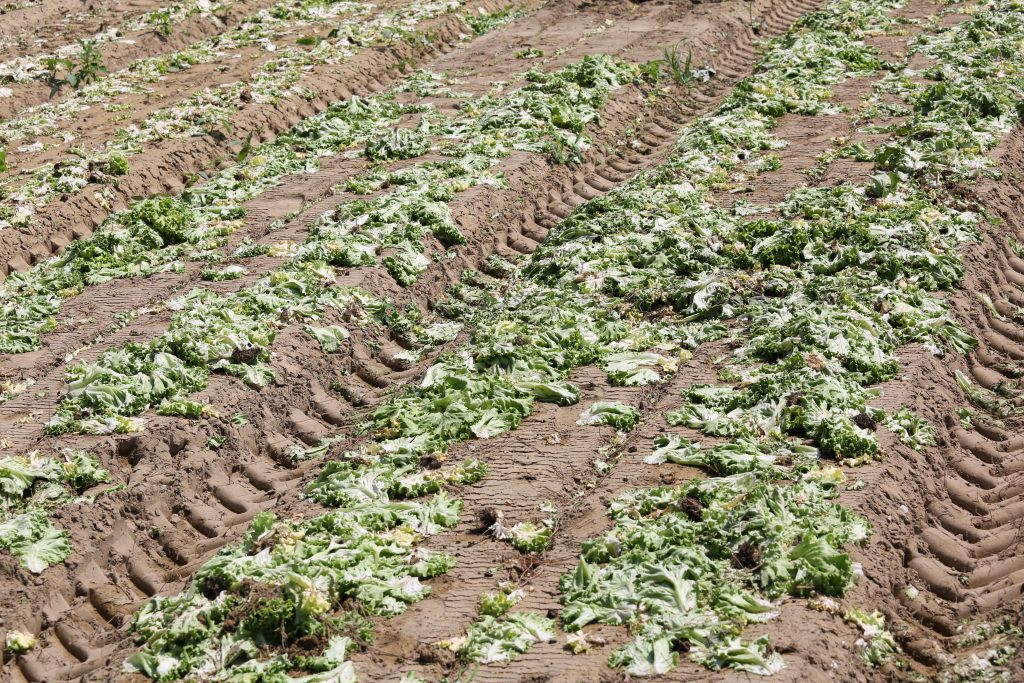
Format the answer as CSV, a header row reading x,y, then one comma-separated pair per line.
x,y
30,486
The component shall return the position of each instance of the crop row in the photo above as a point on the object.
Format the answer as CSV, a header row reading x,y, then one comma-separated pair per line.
x,y
818,302
154,233
260,30
816,296
353,26
657,265
41,67
233,333
158,234
549,115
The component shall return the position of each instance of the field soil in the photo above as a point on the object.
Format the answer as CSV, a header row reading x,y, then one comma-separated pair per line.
x,y
946,520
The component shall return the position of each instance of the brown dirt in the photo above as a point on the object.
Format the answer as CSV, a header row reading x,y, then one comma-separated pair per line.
x,y
165,165
62,21
180,506
963,511
183,502
133,45
90,128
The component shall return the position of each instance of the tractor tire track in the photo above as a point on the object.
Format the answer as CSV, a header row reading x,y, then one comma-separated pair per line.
x,y
185,529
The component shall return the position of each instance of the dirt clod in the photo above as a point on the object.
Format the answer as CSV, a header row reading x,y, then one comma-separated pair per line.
x,y
747,556
430,653
691,507
865,421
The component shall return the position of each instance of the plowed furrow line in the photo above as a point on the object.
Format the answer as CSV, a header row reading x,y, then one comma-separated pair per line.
x,y
961,580
152,549
116,55
597,174
194,536
582,517
90,126
599,177
70,18
169,162
191,529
